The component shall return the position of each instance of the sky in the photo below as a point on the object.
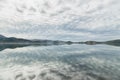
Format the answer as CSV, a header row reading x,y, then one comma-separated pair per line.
x,y
76,20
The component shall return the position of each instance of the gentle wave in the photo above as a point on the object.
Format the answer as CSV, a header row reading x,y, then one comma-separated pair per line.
x,y
75,62
48,71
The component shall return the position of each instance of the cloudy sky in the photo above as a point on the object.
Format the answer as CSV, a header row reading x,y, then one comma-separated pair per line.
x,y
76,20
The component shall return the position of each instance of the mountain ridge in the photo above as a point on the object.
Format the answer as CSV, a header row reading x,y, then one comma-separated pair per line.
x,y
1,36
13,40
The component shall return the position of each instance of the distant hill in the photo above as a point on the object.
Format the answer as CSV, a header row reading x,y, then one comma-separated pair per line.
x,y
1,36
113,42
93,42
4,39
13,40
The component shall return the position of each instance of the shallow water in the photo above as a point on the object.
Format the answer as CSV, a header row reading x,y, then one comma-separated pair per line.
x,y
60,62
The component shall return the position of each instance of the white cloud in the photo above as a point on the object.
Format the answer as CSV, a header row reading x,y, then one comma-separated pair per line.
x,y
46,11
60,19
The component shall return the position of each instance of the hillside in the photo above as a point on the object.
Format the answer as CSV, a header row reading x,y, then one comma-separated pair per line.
x,y
13,40
113,42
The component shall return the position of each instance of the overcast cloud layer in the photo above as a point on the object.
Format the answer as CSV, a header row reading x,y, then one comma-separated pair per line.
x,y
75,20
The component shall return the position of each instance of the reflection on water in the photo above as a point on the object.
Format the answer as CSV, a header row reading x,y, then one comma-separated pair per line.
x,y
12,46
59,62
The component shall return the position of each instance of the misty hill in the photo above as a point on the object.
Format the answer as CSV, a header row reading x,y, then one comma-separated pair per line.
x,y
4,39
113,42
1,36
13,40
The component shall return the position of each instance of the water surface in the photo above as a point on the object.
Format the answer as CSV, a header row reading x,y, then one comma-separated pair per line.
x,y
60,62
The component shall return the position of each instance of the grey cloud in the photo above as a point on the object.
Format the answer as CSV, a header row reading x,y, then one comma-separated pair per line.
x,y
73,22
61,11
32,9
19,10
47,5
97,9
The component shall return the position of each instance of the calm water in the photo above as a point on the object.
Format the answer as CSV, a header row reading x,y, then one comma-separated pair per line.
x,y
60,62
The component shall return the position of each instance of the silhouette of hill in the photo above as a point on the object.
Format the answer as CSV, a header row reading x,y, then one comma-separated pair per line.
x,y
13,40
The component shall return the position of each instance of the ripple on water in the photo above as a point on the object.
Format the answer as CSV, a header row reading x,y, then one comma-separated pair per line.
x,y
49,72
